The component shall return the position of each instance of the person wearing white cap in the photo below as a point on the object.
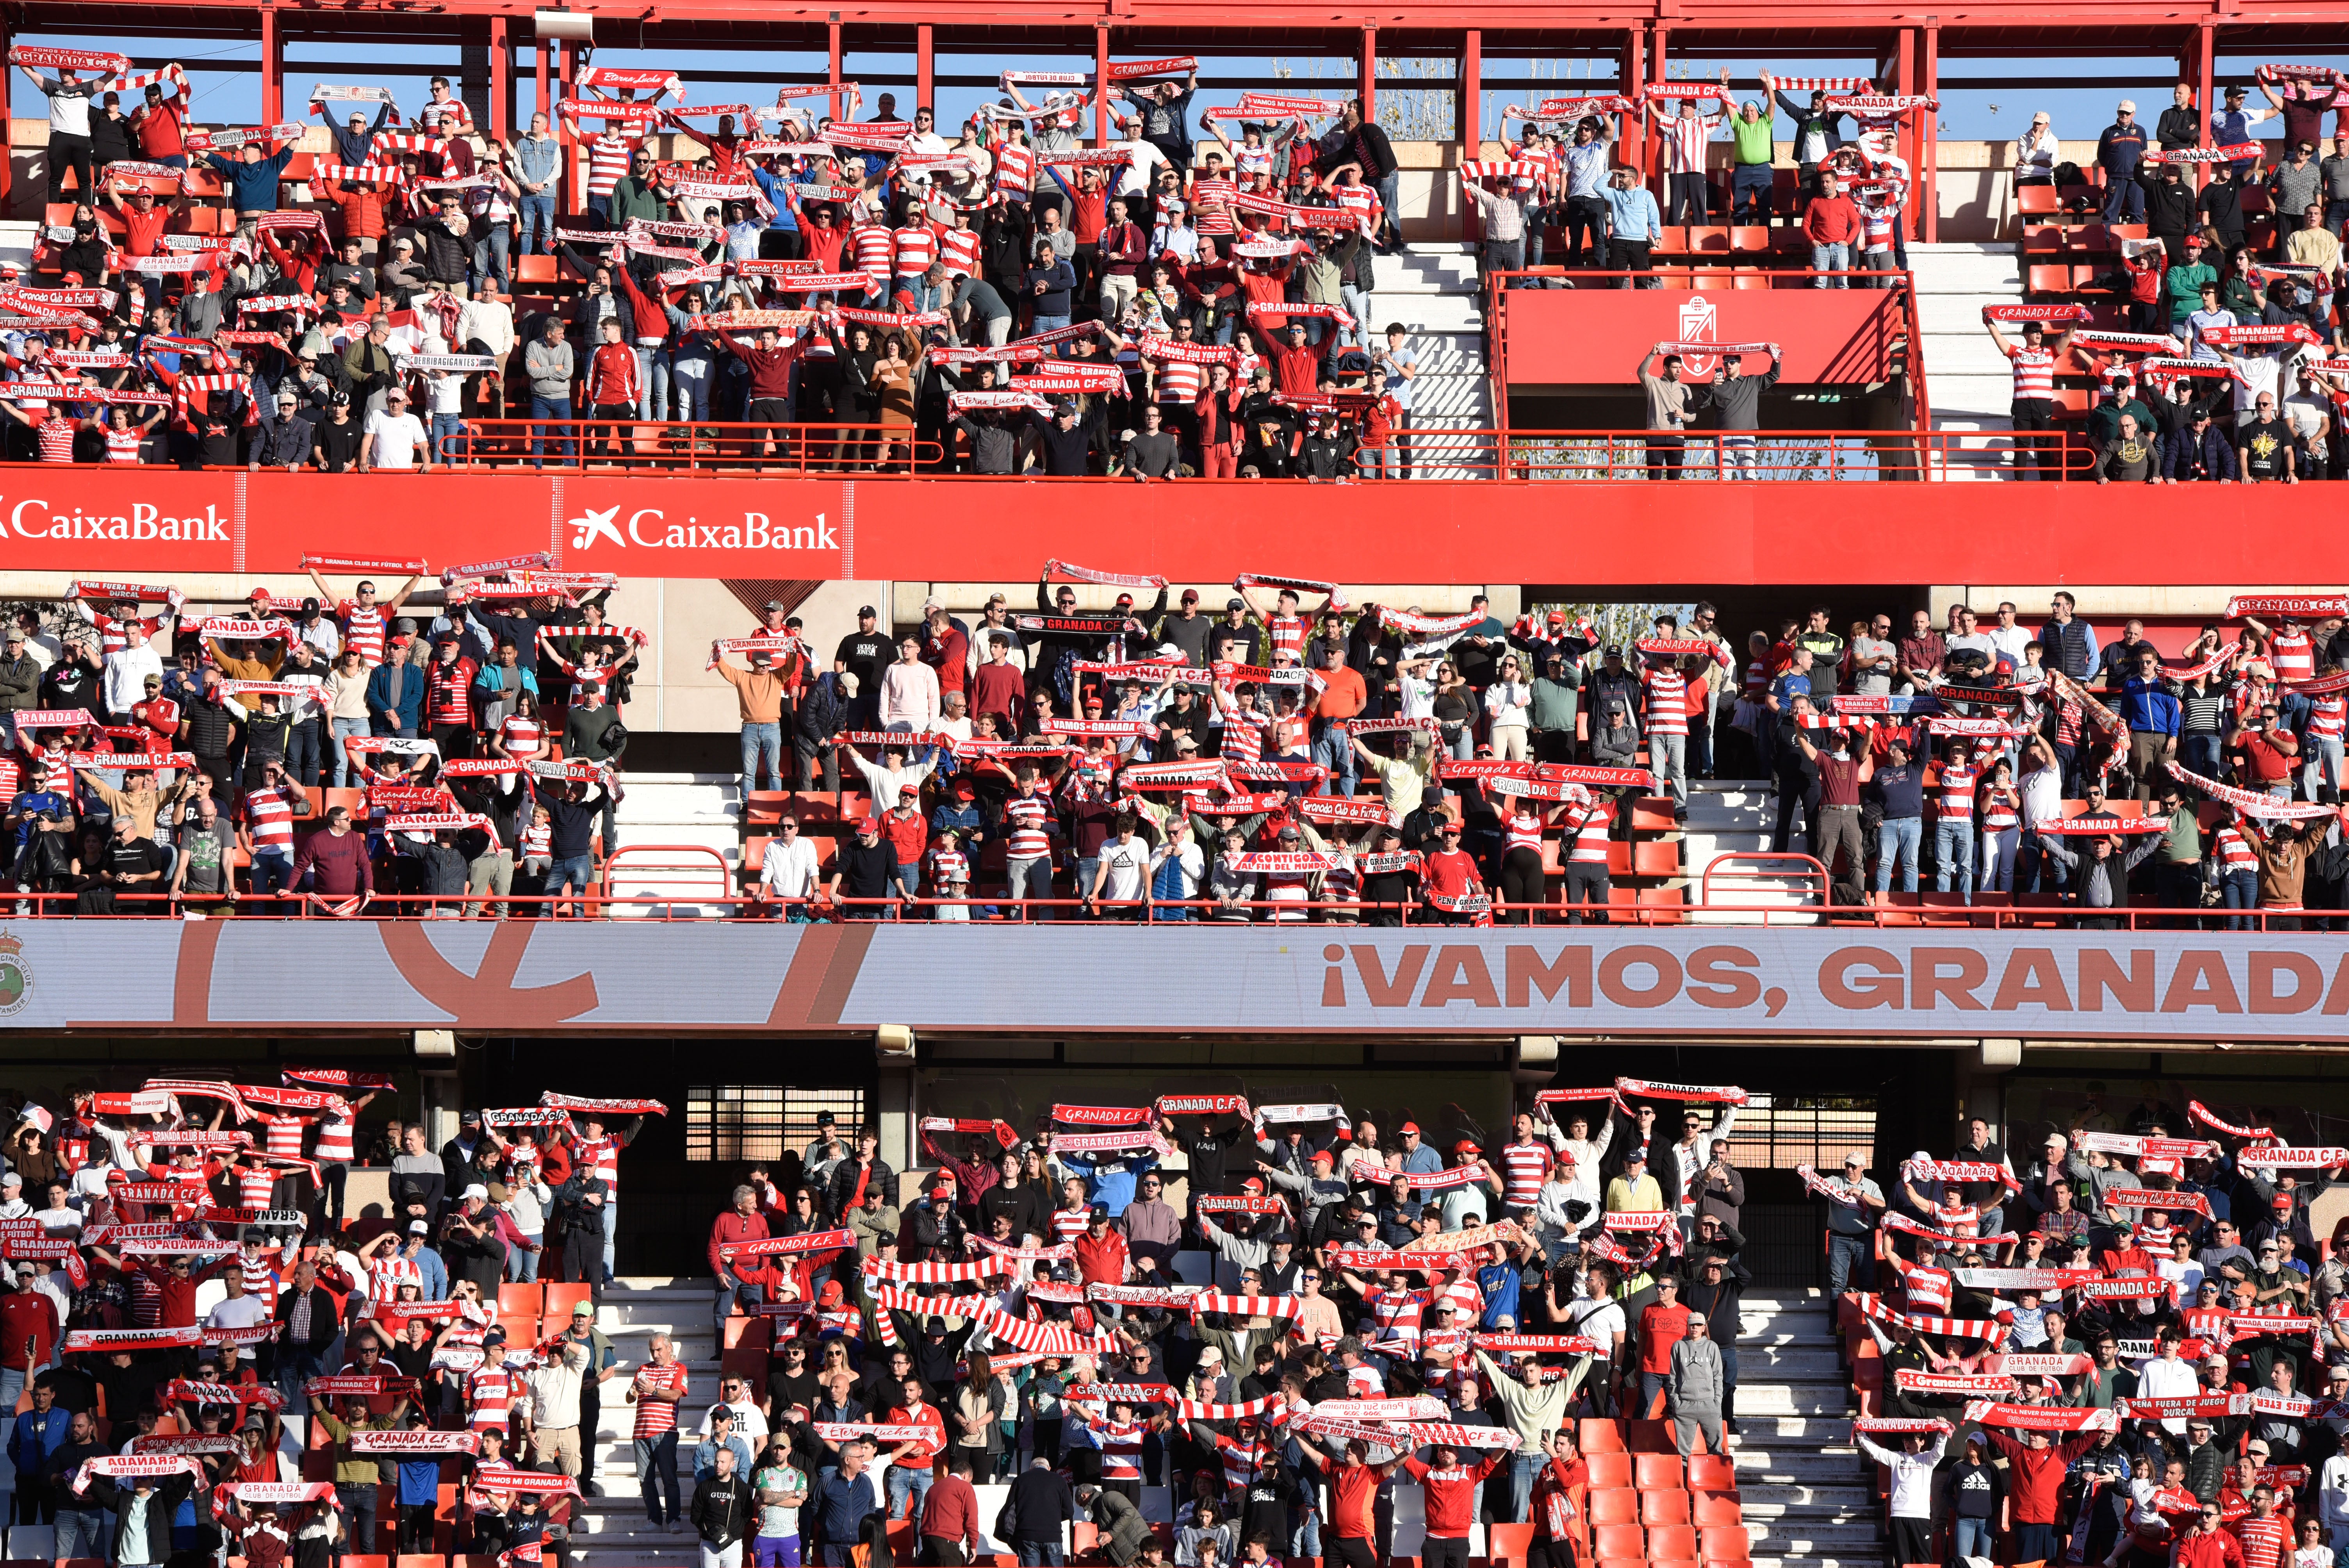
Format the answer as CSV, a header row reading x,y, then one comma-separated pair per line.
x,y
394,438
1851,1224
12,1198
2118,151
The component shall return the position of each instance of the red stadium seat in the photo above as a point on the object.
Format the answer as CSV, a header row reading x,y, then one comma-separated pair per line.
x,y
1615,1505
1675,1542
1600,1435
1651,1437
1726,1544
1608,1469
1716,1508
1657,1472
1711,1472
1508,1543
1663,1507
1625,1541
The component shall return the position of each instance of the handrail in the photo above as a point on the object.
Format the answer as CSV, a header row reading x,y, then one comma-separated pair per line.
x,y
1928,909
574,444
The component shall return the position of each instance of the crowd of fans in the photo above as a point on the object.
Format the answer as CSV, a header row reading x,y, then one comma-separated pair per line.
x,y
190,1304
2136,1318
1294,757
1319,1310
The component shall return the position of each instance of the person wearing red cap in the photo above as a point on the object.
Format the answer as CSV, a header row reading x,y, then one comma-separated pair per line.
x,y
1418,1158
932,1232
1102,1252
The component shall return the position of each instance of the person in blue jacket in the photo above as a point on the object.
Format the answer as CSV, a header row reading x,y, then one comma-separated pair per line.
x,y
32,1441
252,177
1110,1178
395,690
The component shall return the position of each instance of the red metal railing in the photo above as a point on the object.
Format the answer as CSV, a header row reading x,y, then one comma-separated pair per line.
x,y
697,446
2001,913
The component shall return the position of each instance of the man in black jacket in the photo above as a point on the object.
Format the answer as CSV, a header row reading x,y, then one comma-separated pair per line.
x,y
853,1177
2169,211
866,869
721,1508
147,1504
307,1308
1362,143
1041,1506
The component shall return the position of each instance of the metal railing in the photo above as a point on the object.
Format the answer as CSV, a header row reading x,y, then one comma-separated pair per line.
x,y
1939,911
689,446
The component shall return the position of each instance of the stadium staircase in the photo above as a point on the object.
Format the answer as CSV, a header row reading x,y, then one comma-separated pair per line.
x,y
1730,821
1432,289
1806,1497
1971,388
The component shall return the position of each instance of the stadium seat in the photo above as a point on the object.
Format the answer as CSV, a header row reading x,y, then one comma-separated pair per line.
x,y
2051,279
1713,1473
1600,1435
1726,1544
521,1300
1745,238
1673,1543
1657,1471
1615,1505
1658,1508
1508,1543
562,1298
423,1560
1625,1541
1651,1437
1608,1469
1715,1508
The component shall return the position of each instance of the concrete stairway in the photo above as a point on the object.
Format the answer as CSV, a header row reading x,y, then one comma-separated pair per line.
x,y
1801,1484
1728,817
613,1527
1966,377
1431,288
671,825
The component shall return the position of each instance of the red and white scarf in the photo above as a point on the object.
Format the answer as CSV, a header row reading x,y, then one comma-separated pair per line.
x,y
1725,1094
131,1467
2200,1112
2251,804
2040,1417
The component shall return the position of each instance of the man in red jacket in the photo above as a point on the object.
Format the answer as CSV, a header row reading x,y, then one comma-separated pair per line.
x,y
28,1331
742,1222
1830,223
2035,1470
1101,1251
1451,1506
2207,1544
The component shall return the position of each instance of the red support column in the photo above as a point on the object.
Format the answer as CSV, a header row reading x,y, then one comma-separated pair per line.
x,y
273,69
545,99
2206,57
501,80
566,73
1910,141
1651,145
832,32
1632,73
1370,82
925,69
1101,84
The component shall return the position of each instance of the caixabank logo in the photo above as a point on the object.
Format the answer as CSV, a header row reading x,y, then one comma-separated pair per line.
x,y
15,976
650,528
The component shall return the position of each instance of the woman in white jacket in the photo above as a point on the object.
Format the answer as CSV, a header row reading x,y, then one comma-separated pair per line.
x,y
1508,703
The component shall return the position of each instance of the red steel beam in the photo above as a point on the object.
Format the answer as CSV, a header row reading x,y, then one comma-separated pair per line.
x,y
501,80
273,69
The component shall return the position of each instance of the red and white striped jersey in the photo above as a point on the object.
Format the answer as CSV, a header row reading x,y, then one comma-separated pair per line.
x,y
874,246
335,1135
1180,381
1015,169
917,247
1668,695
2266,1542
253,1186
947,864
388,1274
1287,887
1928,1289
538,839
959,249
1396,1312
448,688
2293,655
260,1271
269,813
1359,200
1957,786
2068,723
1467,1301
57,438
1243,1457
1452,1342
1287,734
2034,373
654,1416
607,160
1211,211
1286,633
363,631
1120,1446
1685,137
146,1301
1523,1168
114,635
122,446
2324,715
1998,816
1525,831
600,1157
1590,829
1068,1225
1027,815
285,1135
489,1397
2235,853
523,737
1243,734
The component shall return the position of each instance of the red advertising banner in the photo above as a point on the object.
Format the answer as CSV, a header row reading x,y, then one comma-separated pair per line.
x,y
1827,335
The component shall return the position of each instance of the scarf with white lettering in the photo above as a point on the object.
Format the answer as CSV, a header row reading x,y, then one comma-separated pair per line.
x,y
2252,803
1306,1114
2040,1417
1725,1094
2200,1112
134,1467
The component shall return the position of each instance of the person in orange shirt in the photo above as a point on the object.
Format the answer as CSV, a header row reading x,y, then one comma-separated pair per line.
x,y
1341,696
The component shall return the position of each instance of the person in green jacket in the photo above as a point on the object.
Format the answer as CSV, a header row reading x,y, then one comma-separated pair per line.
x,y
2181,285
1754,140
634,195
